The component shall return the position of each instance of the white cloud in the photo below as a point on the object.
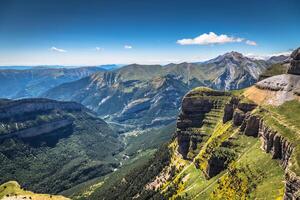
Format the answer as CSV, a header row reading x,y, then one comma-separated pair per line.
x,y
209,38
127,47
99,49
267,56
212,38
285,53
251,43
58,50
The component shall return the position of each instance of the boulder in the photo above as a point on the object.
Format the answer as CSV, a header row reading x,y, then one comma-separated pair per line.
x,y
238,117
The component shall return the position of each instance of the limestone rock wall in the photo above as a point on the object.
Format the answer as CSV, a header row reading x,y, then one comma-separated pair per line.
x,y
21,107
39,130
195,106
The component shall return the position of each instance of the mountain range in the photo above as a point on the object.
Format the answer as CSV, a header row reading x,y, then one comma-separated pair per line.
x,y
152,94
57,143
240,144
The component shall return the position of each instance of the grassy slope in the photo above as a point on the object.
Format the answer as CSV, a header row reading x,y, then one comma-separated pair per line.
x,y
286,121
190,182
12,190
195,186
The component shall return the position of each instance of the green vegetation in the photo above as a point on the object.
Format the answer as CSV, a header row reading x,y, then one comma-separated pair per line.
x,y
273,70
63,158
250,160
238,183
211,148
140,149
14,190
126,187
286,121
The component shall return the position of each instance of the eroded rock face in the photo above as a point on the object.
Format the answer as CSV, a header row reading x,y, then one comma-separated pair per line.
x,y
272,142
39,130
237,111
23,106
292,186
229,109
275,144
238,117
295,63
252,126
195,105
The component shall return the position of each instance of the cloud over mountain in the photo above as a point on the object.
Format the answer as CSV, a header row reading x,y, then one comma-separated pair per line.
x,y
212,38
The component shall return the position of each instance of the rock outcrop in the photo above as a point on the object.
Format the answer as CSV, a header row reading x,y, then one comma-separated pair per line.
x,y
295,63
23,106
39,130
278,89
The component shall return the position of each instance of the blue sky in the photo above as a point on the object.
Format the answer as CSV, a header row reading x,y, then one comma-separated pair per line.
x,y
77,32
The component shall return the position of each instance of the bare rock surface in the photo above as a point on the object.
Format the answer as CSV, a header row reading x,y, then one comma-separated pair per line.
x,y
295,63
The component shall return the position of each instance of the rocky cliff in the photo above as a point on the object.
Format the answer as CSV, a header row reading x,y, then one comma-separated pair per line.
x,y
21,107
273,141
219,152
200,109
278,89
202,145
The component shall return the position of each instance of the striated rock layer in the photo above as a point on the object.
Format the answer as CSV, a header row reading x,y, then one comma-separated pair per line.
x,y
199,108
278,89
23,106
272,142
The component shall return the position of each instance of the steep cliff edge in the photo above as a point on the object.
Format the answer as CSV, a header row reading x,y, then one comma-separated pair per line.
x,y
279,120
200,111
271,125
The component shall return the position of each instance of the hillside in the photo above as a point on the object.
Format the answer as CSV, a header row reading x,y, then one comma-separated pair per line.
x,y
12,190
217,157
49,146
147,96
228,145
35,81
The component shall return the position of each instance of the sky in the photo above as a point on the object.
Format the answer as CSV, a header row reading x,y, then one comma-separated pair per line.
x,y
88,32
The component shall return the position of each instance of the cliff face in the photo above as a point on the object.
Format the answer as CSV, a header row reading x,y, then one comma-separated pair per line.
x,y
202,144
199,108
272,141
39,130
21,107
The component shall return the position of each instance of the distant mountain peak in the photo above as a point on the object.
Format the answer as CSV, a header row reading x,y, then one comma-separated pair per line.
x,y
229,56
234,54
